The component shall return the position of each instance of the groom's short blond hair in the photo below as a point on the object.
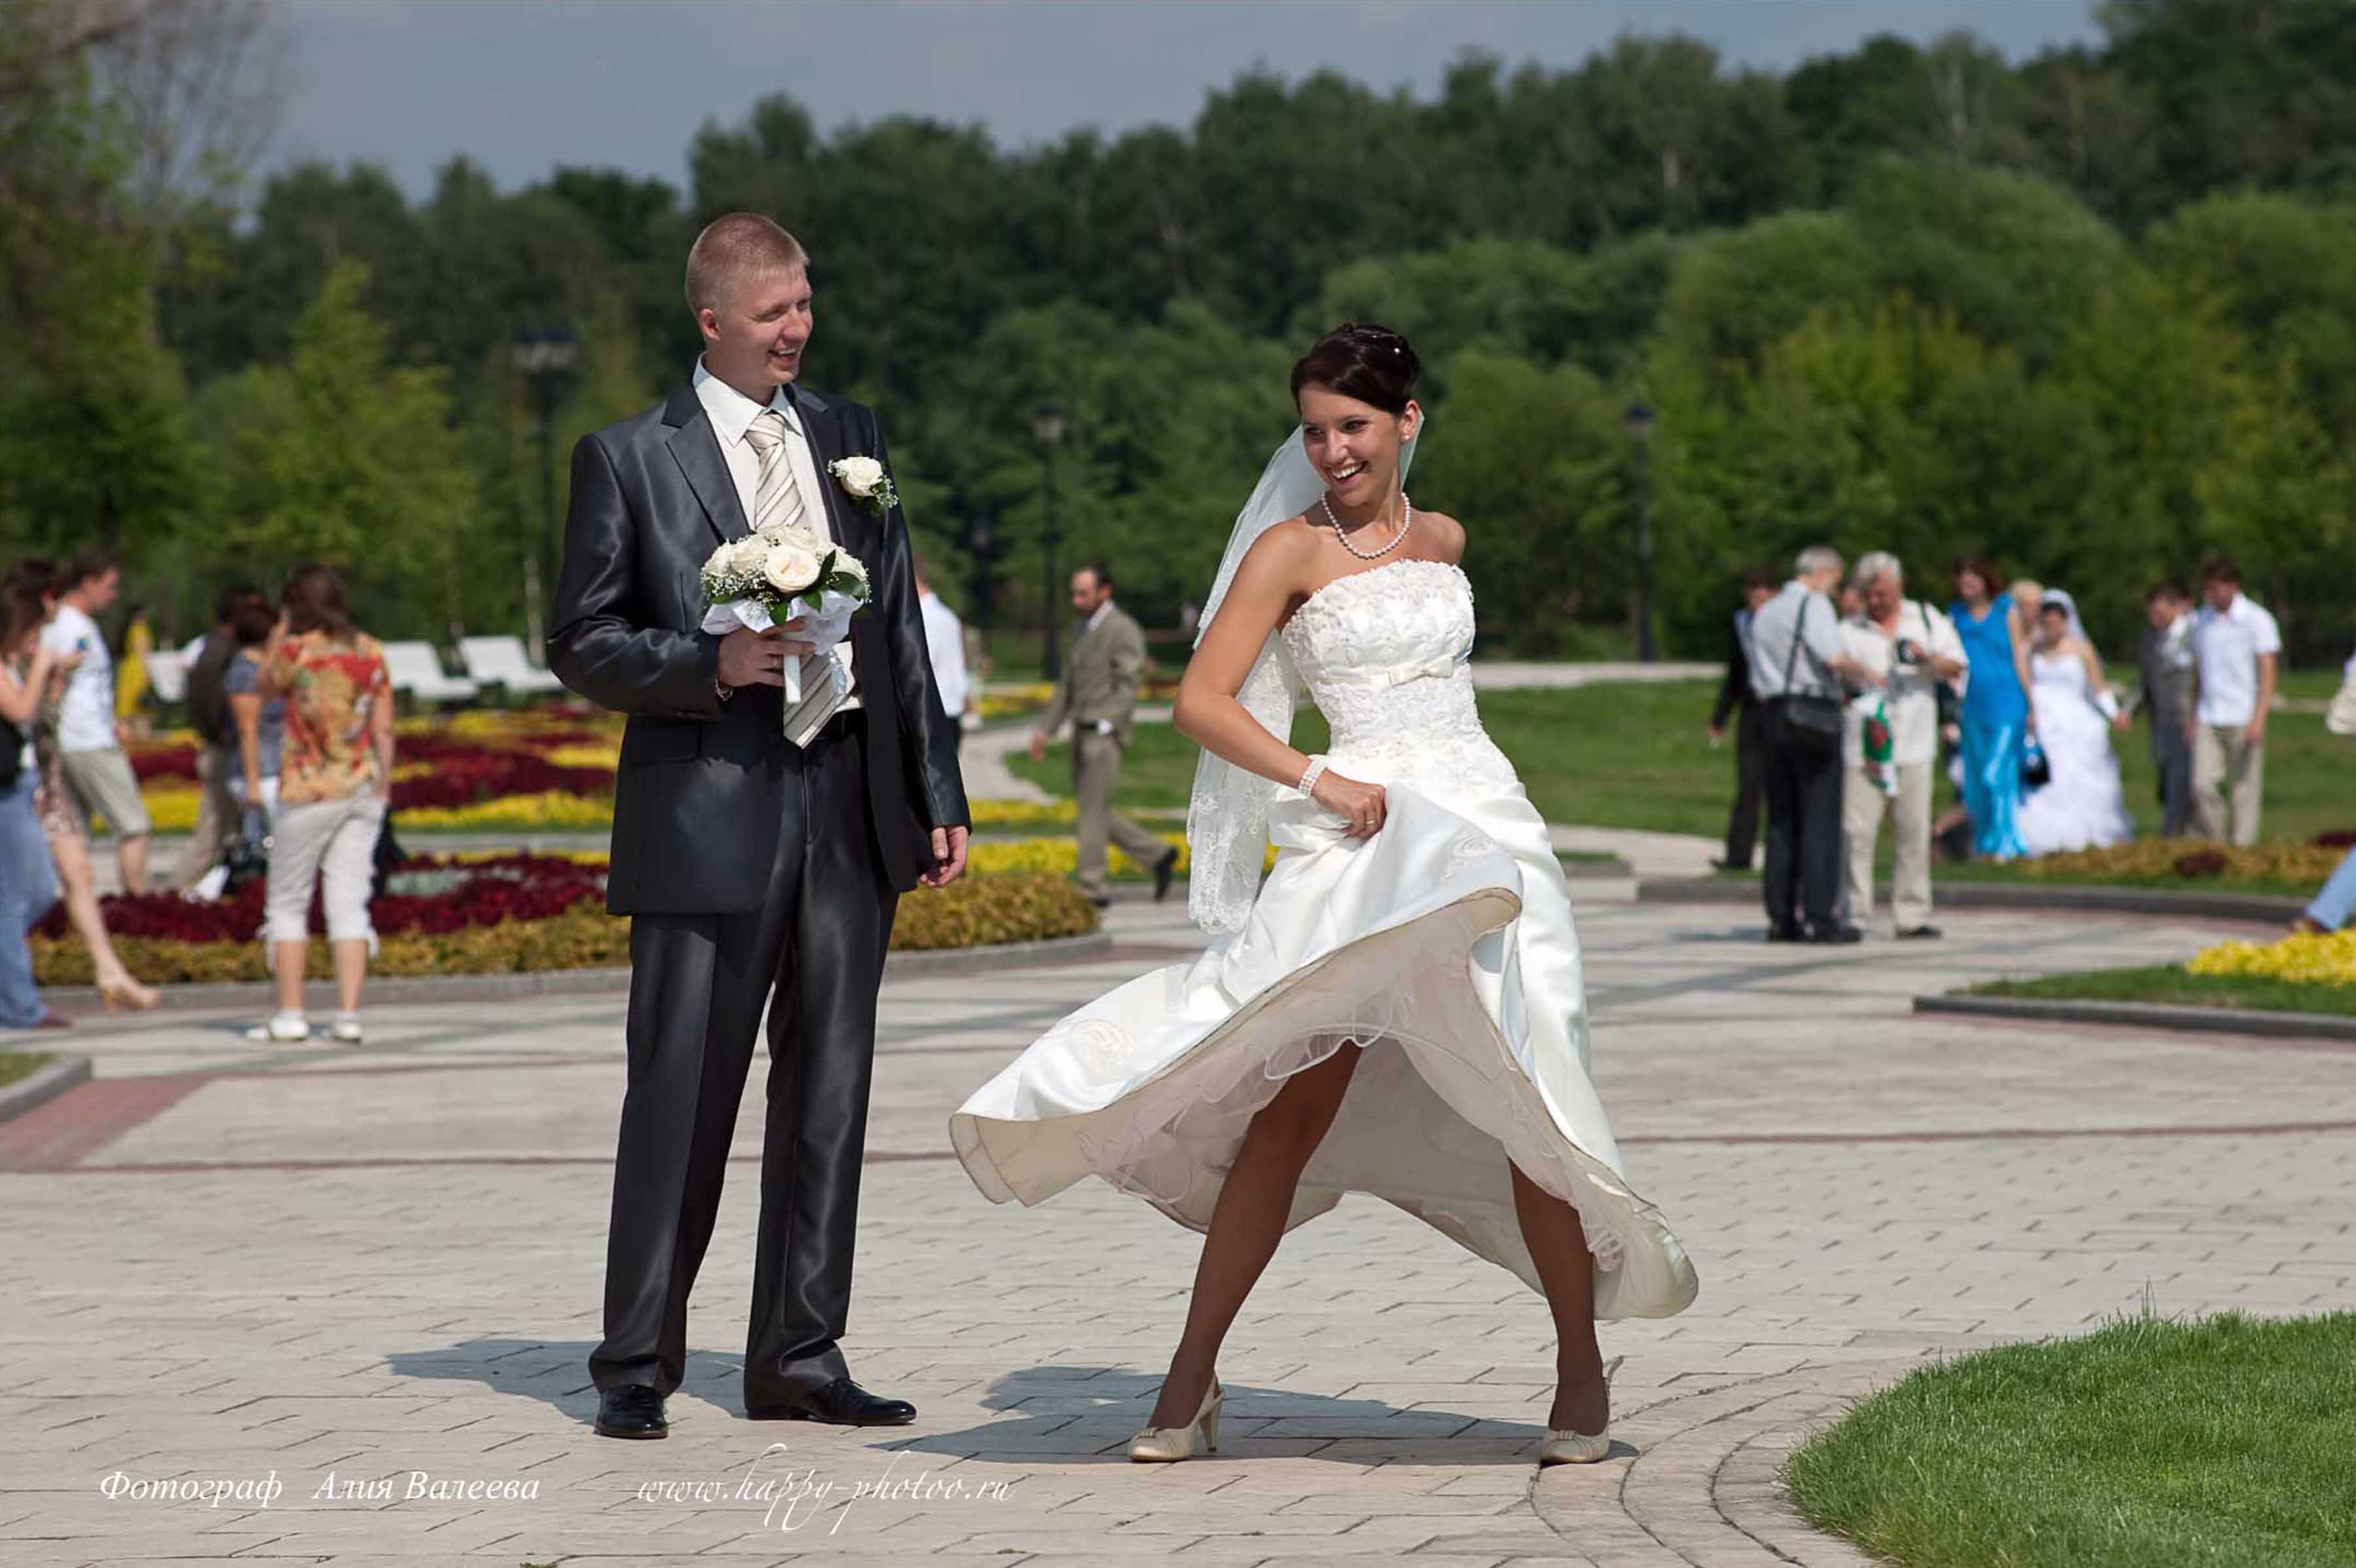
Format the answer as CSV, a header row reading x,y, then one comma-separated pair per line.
x,y
733,247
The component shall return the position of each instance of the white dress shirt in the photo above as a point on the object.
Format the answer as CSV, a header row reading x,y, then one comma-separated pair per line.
x,y
730,411
945,640
1911,697
2227,647
1772,631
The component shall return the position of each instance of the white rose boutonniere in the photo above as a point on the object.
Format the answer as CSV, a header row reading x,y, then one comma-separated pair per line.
x,y
864,479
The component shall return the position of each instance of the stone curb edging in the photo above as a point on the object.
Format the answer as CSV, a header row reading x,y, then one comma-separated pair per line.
x,y
583,982
2264,909
43,1084
2266,1023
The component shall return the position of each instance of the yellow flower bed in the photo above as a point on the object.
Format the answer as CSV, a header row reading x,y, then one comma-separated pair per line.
x,y
1024,813
2324,960
493,725
171,807
549,810
2284,860
587,756
1061,856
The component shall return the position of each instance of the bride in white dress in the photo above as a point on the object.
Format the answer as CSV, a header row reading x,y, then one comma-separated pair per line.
x,y
1400,1009
2081,805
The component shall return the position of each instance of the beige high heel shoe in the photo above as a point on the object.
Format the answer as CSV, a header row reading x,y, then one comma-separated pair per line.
x,y
1565,1446
1166,1445
123,992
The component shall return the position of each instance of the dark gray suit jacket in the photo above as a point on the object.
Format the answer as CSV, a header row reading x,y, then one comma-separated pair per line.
x,y
2163,693
702,791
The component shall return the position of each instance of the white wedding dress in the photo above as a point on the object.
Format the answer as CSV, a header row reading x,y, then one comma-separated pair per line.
x,y
1443,942
2082,806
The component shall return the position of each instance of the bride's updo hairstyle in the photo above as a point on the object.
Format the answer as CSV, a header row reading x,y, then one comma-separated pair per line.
x,y
1371,364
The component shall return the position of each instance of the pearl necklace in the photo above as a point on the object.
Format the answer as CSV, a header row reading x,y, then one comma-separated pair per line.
x,y
1406,520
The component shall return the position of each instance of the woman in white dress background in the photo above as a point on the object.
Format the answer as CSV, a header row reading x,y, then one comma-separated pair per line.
x,y
2080,806
1400,1009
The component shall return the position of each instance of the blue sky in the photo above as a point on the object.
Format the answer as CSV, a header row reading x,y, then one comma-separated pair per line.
x,y
523,85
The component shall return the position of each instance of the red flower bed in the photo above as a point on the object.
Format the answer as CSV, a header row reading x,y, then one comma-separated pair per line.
x,y
485,893
463,775
152,762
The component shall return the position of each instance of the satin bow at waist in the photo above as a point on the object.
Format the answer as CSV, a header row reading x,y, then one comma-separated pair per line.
x,y
1438,666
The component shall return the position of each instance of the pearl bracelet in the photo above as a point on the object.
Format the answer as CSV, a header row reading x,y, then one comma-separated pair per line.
x,y
1309,777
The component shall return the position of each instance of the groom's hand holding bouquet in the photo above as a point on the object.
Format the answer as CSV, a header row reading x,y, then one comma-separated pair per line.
x,y
773,582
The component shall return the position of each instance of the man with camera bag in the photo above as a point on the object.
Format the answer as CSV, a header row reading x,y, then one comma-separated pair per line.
x,y
1798,665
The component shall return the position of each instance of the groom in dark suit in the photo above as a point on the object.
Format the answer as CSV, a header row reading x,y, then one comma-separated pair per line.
x,y
748,863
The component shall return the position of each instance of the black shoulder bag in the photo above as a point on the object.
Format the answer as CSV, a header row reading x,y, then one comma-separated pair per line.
x,y
1812,723
1942,692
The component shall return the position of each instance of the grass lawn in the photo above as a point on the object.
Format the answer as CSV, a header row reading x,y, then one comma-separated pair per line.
x,y
2171,985
16,1064
2228,1441
1635,756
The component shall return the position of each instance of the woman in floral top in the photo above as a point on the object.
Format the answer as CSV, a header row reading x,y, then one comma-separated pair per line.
x,y
335,774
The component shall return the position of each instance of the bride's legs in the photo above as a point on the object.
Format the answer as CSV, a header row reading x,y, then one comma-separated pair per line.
x,y
1557,1245
1248,1221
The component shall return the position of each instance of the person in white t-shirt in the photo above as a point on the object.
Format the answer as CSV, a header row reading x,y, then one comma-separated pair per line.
x,y
2236,652
98,777
945,641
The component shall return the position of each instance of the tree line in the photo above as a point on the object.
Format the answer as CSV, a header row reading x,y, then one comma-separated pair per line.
x,y
2090,314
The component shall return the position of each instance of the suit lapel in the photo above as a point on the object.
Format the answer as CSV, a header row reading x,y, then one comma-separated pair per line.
x,y
854,526
695,445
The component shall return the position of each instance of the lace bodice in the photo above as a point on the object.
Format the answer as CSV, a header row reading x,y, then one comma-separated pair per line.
x,y
2065,673
1384,654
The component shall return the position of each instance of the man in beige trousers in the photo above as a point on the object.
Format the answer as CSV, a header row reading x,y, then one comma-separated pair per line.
x,y
1098,694
2236,652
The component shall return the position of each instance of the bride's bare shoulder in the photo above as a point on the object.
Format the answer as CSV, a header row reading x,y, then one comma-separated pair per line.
x,y
1284,555
1447,535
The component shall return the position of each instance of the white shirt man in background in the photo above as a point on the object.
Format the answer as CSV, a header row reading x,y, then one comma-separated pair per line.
x,y
945,641
98,777
1796,653
2236,649
1913,648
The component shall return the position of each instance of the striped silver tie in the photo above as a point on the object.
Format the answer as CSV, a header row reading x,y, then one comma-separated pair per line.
x,y
777,503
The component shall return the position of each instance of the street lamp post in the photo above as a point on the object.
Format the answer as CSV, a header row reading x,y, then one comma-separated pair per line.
x,y
1047,424
1639,432
545,358
981,549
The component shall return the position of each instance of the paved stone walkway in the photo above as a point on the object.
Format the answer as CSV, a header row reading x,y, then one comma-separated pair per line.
x,y
237,1266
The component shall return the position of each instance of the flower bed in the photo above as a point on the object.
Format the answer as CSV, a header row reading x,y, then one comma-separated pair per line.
x,y
507,914
2328,959
2287,865
538,771
477,771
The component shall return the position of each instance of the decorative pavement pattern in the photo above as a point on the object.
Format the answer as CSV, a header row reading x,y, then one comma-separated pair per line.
x,y
332,1305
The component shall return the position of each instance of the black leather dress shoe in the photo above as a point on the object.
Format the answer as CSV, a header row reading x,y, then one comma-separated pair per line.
x,y
1163,869
1918,934
840,1403
631,1410
1832,935
1785,933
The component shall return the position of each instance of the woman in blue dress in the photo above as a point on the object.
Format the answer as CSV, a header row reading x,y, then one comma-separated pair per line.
x,y
1995,716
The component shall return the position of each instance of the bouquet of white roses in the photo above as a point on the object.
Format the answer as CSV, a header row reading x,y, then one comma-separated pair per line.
x,y
782,574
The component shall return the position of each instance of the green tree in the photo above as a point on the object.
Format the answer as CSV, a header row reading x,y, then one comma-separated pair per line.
x,y
340,455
